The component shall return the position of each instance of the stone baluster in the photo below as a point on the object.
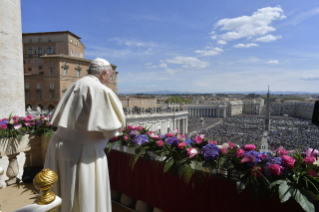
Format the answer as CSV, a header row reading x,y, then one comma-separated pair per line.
x,y
47,201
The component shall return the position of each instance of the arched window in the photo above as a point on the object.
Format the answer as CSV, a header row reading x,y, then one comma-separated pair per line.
x,y
40,40
71,52
49,39
49,50
30,50
40,50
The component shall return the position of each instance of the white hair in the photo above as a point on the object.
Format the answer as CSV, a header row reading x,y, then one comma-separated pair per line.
x,y
98,65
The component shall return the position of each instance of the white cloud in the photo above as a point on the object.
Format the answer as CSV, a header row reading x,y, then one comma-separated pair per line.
x,y
163,65
148,64
151,67
214,37
221,42
209,51
132,43
302,16
170,71
249,26
273,62
248,45
311,77
267,38
189,62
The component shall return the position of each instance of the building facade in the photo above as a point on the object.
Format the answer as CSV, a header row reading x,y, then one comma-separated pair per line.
x,y
225,108
298,109
138,102
52,62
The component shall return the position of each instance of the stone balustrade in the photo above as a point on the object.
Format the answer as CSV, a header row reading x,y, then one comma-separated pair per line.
x,y
16,154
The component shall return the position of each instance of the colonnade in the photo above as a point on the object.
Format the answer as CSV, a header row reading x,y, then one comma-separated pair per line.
x,y
207,112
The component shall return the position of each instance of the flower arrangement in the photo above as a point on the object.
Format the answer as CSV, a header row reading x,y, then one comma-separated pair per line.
x,y
16,127
291,174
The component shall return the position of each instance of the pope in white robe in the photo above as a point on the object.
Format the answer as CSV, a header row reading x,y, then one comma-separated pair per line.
x,y
88,114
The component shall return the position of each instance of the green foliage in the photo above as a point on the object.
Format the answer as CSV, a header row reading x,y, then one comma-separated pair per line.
x,y
176,99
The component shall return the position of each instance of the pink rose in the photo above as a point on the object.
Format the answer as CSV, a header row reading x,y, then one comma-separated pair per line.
x,y
32,123
48,124
283,152
313,173
160,143
176,131
130,127
181,145
169,135
275,169
17,126
202,136
181,137
240,153
288,161
191,152
42,117
224,150
256,171
26,119
155,137
263,156
114,139
125,137
212,142
231,145
5,119
311,152
198,139
309,159
3,126
15,121
139,128
249,147
30,116
27,124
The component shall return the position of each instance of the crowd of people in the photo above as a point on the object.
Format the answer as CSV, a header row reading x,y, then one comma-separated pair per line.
x,y
196,124
241,130
289,132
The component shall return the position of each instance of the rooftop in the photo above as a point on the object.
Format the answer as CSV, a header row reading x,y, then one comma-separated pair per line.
x,y
56,32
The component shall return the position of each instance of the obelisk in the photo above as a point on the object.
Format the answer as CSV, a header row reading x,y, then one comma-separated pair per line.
x,y
267,122
11,59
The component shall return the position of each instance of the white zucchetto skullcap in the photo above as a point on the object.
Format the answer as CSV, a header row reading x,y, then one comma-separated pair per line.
x,y
99,62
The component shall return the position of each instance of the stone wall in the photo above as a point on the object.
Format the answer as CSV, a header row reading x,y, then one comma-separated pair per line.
x,y
11,60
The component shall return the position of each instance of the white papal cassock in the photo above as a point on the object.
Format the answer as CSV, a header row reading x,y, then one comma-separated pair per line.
x,y
88,114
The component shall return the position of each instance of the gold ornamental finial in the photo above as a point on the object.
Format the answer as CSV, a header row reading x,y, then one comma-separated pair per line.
x,y
44,181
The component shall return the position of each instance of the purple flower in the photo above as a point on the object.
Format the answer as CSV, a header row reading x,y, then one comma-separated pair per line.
x,y
134,133
210,152
189,141
172,141
39,123
273,160
256,156
140,139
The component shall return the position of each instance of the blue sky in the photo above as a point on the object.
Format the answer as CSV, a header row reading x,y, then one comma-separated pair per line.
x,y
193,46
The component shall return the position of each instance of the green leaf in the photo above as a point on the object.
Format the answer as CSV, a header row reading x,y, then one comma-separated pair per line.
x,y
240,186
168,165
303,201
284,192
174,169
277,182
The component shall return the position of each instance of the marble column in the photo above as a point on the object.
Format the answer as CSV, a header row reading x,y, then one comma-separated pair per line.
x,y
11,60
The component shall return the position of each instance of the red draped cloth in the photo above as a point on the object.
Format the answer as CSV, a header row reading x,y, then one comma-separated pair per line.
x,y
148,183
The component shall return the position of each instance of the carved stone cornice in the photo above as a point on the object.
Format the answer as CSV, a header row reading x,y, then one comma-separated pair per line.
x,y
65,66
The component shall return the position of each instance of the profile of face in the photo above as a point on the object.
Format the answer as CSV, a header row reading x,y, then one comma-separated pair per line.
x,y
105,78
